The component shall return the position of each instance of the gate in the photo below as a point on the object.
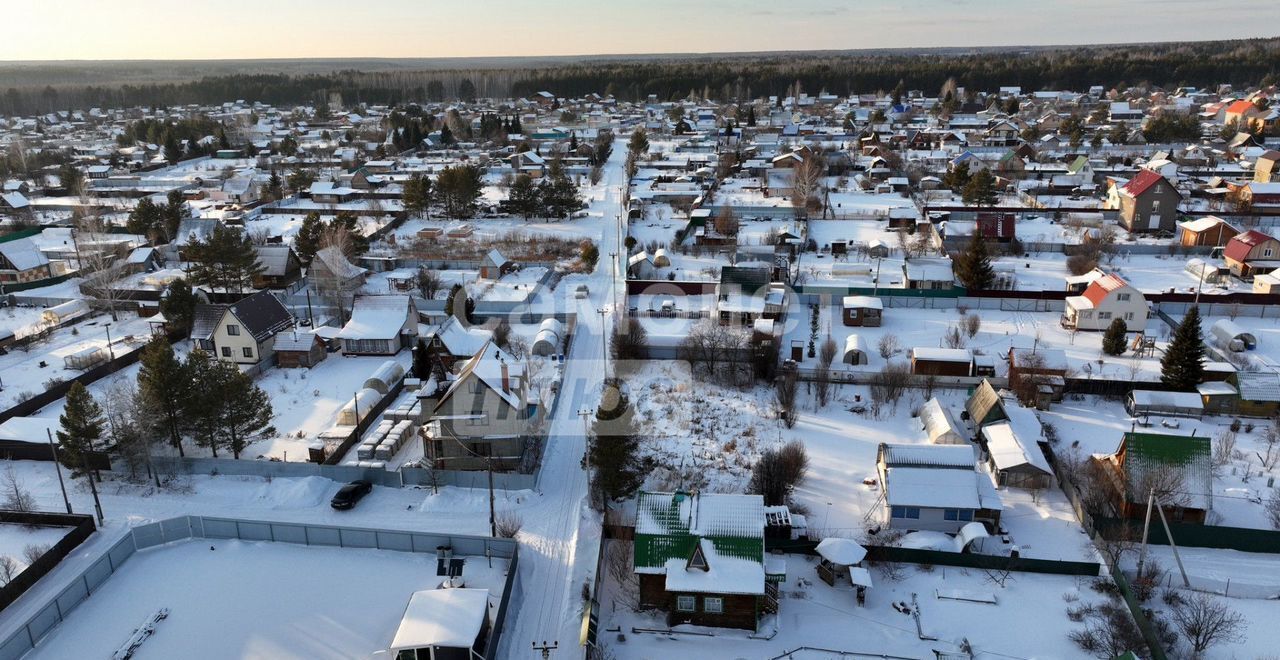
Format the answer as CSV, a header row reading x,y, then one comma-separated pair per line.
x,y
1019,305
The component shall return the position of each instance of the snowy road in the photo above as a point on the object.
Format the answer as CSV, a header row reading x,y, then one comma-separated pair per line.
x,y
552,570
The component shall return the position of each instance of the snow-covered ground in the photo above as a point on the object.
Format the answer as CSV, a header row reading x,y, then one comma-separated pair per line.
x,y
21,371
237,599
1027,620
15,539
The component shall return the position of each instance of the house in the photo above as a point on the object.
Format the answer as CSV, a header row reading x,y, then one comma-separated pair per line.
x,y
928,273
740,294
380,325
332,270
1046,369
295,350
280,266
452,341
328,192
443,624
484,415
935,488
862,311
940,425
998,227
1013,450
22,261
1208,231
14,201
243,332
1148,460
1257,393
1260,194
700,558
1267,168
1104,300
928,361
1245,114
494,266
1148,203
1252,253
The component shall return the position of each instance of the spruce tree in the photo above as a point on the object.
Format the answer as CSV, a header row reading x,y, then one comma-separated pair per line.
x,y
981,189
973,267
82,424
244,409
417,195
1113,342
615,448
164,384
201,412
351,224
307,242
1182,366
446,135
178,304
523,198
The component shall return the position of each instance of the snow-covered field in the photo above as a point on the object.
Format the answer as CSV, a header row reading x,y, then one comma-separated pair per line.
x,y
237,599
1028,620
21,371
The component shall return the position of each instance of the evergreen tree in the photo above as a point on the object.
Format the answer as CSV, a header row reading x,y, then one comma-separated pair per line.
x,y
201,413
421,361
178,305
172,152
456,304
523,198
751,116
244,409
1113,342
358,242
223,142
459,188
417,195
446,136
1182,366
146,219
956,179
638,146
307,241
82,424
226,261
275,186
516,128
615,449
173,213
981,189
467,91
560,195
973,267
300,180
165,385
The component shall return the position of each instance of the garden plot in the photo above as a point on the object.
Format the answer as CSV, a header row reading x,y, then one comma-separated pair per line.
x,y
1151,273
22,544
1087,425
237,599
705,435
307,401
1028,620
998,332
21,371
513,287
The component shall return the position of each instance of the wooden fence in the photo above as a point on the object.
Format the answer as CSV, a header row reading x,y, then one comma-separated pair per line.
x,y
82,526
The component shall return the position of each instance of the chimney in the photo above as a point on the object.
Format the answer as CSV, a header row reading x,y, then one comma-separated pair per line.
x,y
506,377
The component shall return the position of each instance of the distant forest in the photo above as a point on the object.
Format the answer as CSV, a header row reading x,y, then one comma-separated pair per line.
x,y
723,77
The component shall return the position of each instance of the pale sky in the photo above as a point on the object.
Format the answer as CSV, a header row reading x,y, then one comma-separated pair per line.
x,y
254,29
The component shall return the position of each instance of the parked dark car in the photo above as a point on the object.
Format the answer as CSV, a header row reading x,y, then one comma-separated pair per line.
x,y
348,495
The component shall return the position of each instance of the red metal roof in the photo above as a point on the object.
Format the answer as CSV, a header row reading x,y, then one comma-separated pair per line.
x,y
1098,289
1240,245
1241,107
1139,184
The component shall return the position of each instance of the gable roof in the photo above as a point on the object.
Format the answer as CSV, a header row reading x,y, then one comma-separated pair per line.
x,y
1145,452
1240,245
1098,289
377,317
262,315
23,254
926,456
1140,184
670,525
486,367
274,259
206,319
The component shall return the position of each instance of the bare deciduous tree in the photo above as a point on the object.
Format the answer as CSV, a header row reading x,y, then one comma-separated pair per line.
x,y
1206,620
954,337
888,346
508,524
16,498
972,324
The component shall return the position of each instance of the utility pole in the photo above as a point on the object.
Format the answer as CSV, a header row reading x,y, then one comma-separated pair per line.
x,y
875,290
546,649
1176,557
111,351
58,468
493,518
1146,526
604,340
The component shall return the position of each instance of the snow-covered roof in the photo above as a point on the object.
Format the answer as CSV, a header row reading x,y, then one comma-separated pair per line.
x,y
941,354
845,552
459,340
23,254
723,574
927,456
940,489
862,302
1010,448
450,618
376,317
338,264
938,422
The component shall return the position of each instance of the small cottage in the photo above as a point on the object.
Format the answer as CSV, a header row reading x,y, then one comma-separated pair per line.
x,y
1104,300
862,311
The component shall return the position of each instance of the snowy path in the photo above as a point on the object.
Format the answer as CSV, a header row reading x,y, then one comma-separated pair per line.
x,y
551,570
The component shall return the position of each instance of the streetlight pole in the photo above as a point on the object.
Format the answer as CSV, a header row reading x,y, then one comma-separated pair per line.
x,y
58,468
604,340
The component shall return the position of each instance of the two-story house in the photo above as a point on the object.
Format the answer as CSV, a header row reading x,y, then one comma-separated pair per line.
x,y
243,332
483,416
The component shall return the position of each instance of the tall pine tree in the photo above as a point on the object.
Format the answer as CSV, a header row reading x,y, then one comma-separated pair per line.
x,y
82,424
615,448
973,266
165,384
307,242
1182,366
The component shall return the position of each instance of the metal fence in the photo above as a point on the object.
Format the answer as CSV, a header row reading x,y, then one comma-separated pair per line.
x,y
939,558
52,612
409,476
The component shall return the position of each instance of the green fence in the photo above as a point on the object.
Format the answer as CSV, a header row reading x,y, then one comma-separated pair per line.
x,y
21,233
1194,536
1139,616
939,558
24,286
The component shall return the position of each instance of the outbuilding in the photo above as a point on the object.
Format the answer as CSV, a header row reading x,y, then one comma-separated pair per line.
x,y
1170,404
862,311
549,338
1232,337
444,624
855,351
941,362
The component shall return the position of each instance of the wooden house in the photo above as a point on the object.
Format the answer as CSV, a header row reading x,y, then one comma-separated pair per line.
x,y
700,558
1147,460
21,261
494,266
930,361
1252,253
1208,231
1104,300
935,488
862,311
1148,203
380,325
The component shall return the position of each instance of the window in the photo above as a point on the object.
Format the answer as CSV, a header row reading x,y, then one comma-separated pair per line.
x,y
1128,316
233,330
1102,316
1155,206
248,351
686,603
912,512
226,351
1266,253
1123,297
712,605
963,515
479,420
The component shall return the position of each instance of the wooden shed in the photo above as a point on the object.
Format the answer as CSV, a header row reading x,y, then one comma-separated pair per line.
x,y
941,362
296,350
862,311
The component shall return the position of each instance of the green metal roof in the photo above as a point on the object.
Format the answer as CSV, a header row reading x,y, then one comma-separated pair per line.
x,y
1169,449
669,525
